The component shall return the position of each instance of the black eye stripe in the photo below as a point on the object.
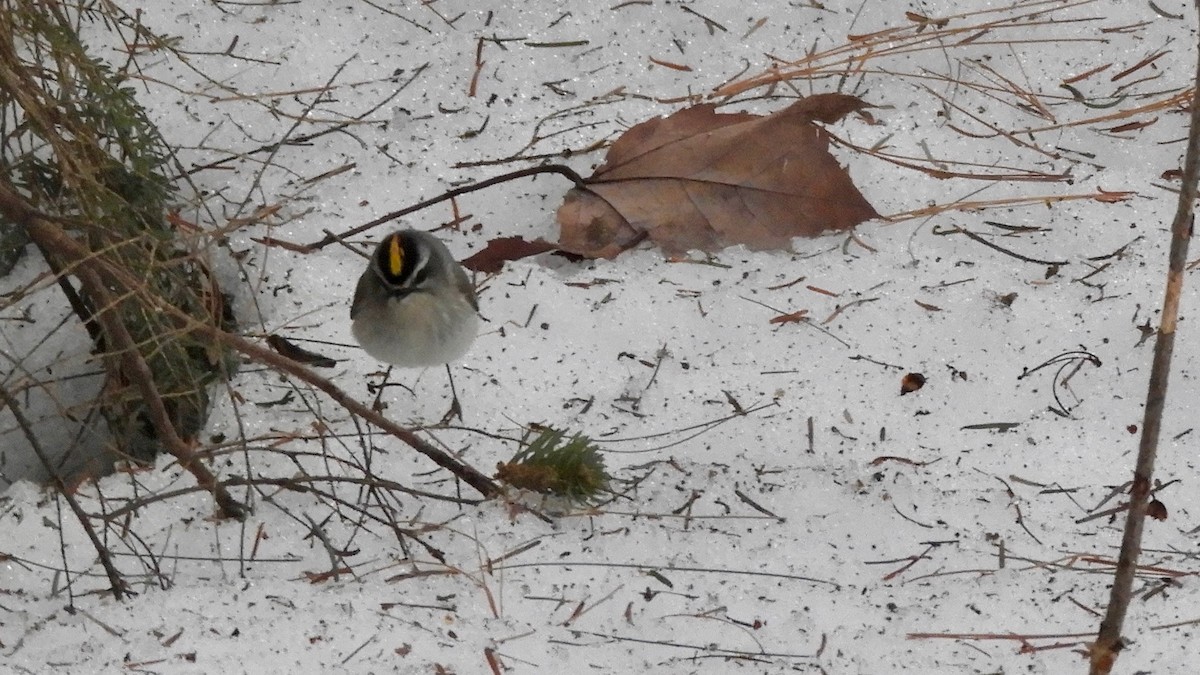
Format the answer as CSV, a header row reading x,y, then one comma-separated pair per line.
x,y
419,276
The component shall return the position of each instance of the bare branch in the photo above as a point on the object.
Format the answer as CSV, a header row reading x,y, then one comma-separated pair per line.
x,y
1103,653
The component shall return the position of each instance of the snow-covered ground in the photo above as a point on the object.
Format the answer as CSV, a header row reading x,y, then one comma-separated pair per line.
x,y
830,528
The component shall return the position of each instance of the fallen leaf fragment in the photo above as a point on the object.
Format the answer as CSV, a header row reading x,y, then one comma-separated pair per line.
x,y
1132,126
790,317
928,307
699,179
1156,510
291,350
911,382
893,458
504,249
924,22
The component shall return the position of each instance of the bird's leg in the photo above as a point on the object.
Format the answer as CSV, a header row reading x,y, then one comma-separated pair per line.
x,y
377,389
455,408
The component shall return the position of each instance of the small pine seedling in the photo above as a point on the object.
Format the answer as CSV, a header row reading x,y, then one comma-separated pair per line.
x,y
574,469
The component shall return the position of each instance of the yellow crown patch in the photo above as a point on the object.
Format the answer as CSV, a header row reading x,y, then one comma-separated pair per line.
x,y
395,256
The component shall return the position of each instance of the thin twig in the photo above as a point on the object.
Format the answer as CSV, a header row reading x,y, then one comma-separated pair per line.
x,y
1003,250
114,577
1103,653
450,194
292,484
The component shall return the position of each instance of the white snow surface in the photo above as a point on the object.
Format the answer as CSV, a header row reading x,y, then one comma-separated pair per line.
x,y
897,518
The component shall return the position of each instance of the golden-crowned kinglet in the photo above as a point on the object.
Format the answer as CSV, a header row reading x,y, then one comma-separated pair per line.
x,y
414,305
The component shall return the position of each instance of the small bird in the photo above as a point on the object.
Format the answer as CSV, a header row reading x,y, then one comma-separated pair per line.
x,y
415,306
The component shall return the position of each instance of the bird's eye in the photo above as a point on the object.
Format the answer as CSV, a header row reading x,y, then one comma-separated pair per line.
x,y
418,279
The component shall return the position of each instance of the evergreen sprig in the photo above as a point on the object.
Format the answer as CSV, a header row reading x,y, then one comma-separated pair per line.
x,y
573,469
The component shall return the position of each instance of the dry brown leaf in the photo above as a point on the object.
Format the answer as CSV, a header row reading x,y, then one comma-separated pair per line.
x,y
699,179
